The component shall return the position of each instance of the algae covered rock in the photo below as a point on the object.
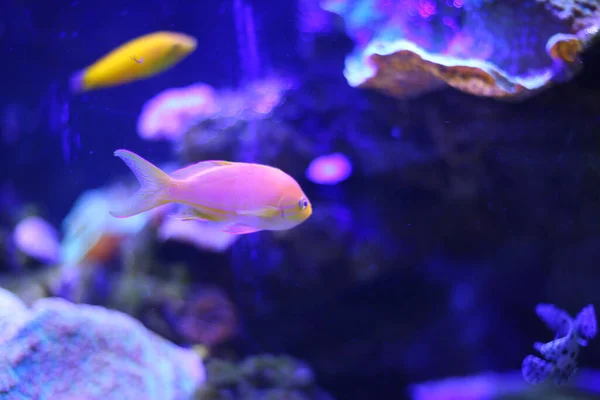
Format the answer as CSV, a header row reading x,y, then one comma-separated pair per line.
x,y
264,377
59,350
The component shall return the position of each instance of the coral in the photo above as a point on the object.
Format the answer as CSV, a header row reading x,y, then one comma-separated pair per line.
x,y
263,377
423,46
36,238
171,113
579,13
57,350
492,385
208,318
165,115
245,129
329,169
90,232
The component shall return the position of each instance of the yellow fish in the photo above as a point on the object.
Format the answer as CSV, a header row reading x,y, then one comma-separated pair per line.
x,y
137,59
236,197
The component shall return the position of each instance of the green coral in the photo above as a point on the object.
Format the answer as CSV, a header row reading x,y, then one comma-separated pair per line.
x,y
264,377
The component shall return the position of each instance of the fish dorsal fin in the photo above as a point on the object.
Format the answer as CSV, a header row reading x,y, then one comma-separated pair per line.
x,y
195,169
264,212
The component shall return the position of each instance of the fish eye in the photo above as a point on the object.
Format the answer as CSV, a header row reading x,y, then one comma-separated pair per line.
x,y
303,204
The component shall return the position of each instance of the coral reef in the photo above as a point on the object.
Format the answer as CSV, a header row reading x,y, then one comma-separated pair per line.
x,y
486,48
58,350
264,377
460,213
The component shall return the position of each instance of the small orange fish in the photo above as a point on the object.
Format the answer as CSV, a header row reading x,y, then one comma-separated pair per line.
x,y
237,198
137,59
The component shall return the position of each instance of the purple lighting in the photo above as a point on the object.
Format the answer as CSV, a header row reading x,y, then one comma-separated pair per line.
x,y
329,169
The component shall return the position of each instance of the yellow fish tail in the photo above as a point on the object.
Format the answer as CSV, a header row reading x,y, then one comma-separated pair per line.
x,y
154,185
77,82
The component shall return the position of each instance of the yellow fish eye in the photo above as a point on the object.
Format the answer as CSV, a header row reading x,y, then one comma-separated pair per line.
x,y
303,204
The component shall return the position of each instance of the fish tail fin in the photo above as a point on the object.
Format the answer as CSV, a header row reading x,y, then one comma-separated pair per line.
x,y
76,82
535,370
154,185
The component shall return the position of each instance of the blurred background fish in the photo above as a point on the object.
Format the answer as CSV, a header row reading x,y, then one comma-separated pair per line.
x,y
137,59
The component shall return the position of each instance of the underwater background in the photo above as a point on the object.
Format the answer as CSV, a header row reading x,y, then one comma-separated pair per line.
x,y
450,150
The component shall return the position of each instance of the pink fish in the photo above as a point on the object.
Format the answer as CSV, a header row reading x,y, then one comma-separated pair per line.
x,y
236,198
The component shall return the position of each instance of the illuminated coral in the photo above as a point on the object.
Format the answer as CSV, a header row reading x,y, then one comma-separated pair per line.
x,y
165,115
243,129
171,113
486,48
36,238
329,169
58,350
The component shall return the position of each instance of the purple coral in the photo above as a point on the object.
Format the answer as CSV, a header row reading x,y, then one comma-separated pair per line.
x,y
165,115
486,48
329,169
61,350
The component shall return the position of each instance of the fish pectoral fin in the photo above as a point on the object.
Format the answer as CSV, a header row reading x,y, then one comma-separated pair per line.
x,y
240,229
191,214
264,212
183,218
